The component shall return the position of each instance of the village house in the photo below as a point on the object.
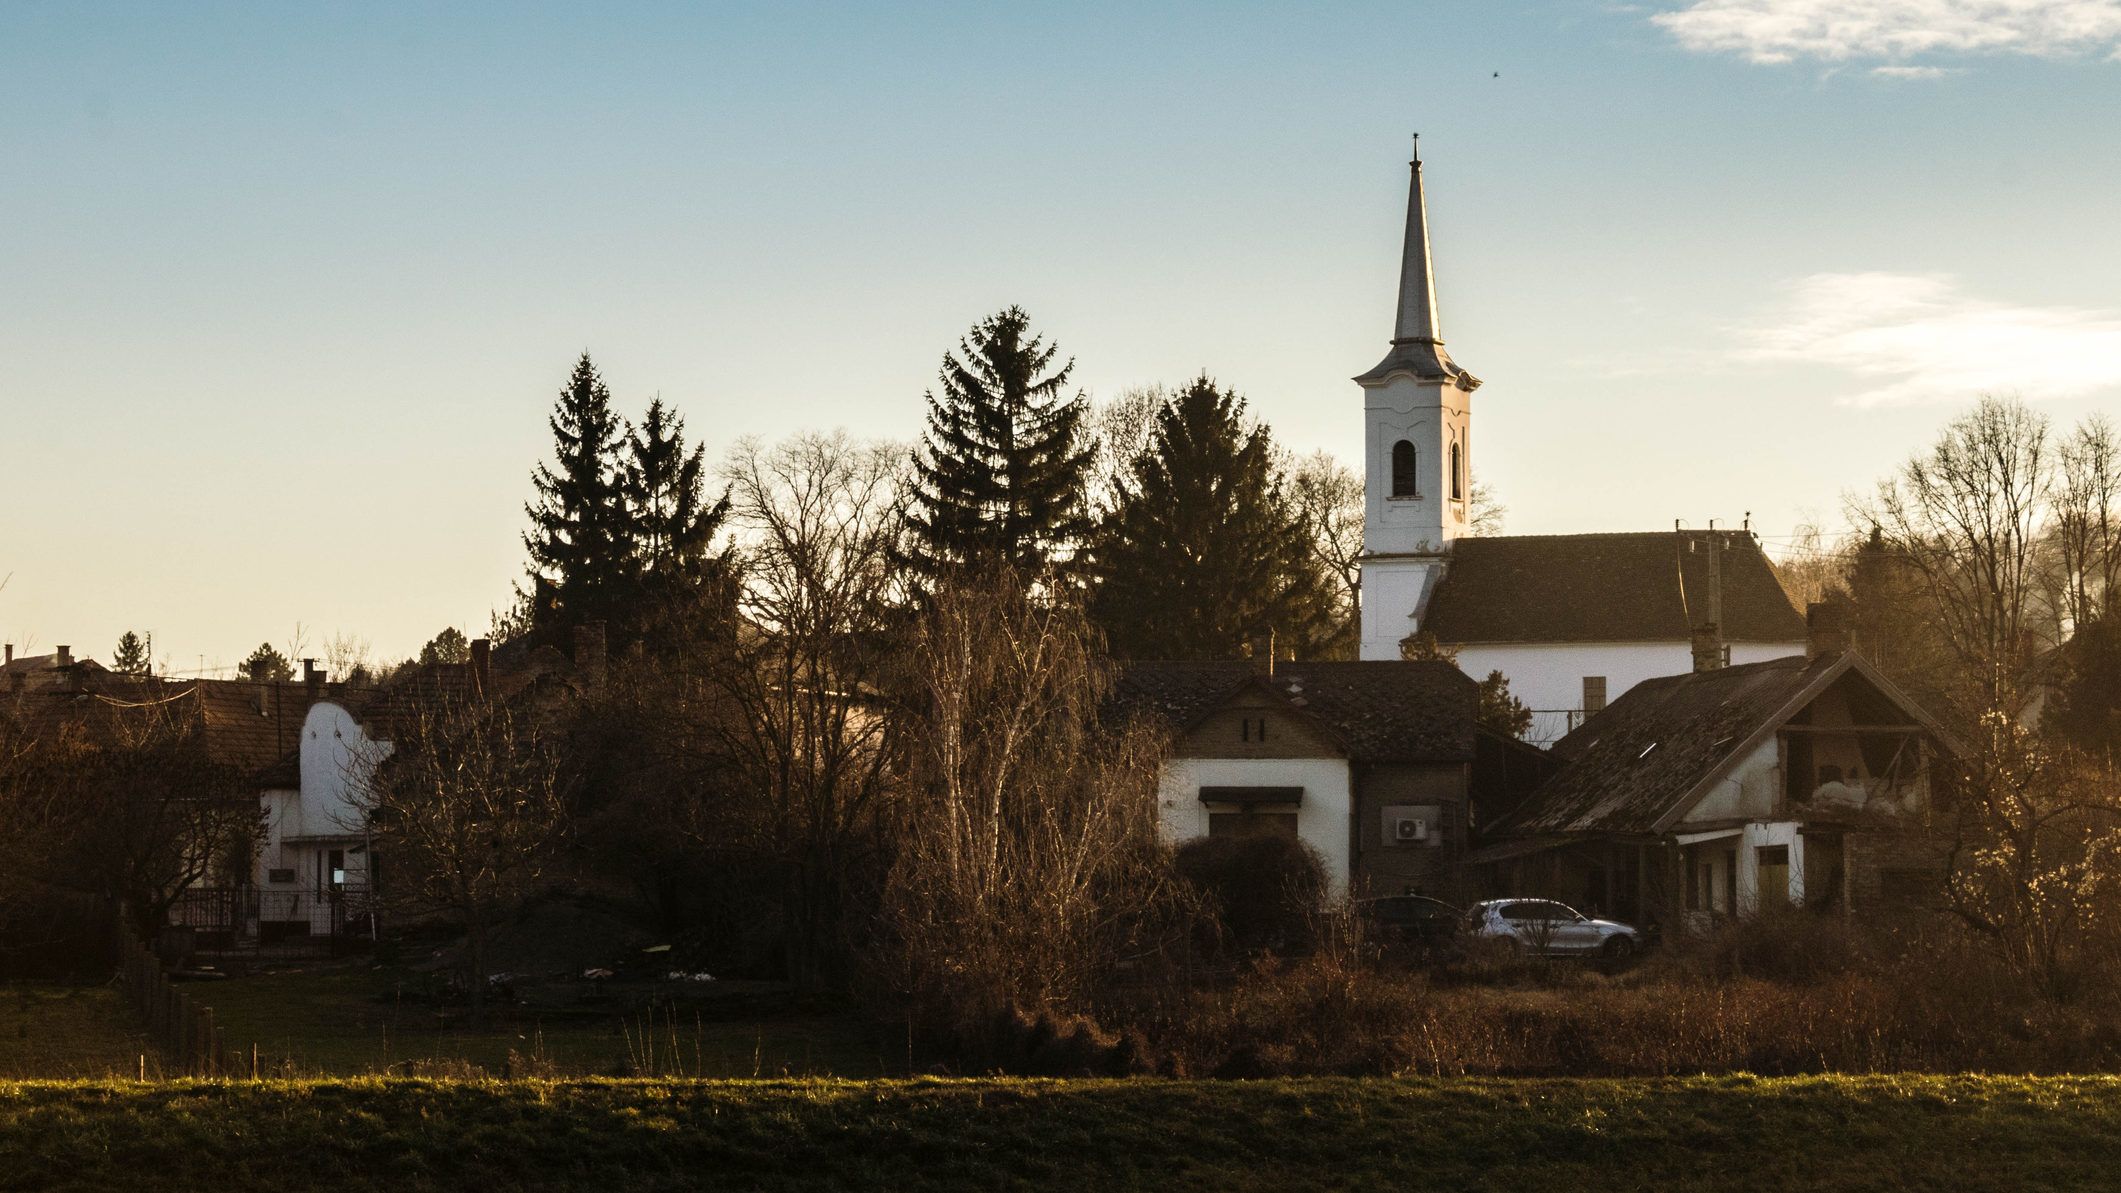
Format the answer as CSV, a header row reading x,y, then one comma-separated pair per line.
x,y
1573,621
1803,781
1377,766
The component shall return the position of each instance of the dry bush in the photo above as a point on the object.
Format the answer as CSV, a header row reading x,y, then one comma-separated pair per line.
x,y
1262,892
1929,999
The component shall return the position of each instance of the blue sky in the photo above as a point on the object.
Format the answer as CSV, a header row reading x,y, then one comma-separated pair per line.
x,y
290,289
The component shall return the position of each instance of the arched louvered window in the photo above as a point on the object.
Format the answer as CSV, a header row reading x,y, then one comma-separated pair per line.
x,y
1458,473
1403,470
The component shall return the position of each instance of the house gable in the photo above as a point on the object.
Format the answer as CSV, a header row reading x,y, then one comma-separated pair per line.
x,y
1255,723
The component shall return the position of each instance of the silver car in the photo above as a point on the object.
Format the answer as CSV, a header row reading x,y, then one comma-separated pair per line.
x,y
1547,928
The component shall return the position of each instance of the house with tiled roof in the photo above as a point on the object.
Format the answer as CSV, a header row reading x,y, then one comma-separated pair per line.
x,y
1809,781
1573,621
1378,766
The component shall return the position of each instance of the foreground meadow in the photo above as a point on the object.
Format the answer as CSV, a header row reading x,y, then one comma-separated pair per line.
x,y
1810,1133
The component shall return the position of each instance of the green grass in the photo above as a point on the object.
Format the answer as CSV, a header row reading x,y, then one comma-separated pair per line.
x,y
353,1018
1816,1133
68,1031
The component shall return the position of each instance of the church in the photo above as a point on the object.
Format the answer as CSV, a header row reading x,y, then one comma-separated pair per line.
x,y
1573,620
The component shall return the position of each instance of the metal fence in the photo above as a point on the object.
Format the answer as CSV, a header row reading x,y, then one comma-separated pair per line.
x,y
221,919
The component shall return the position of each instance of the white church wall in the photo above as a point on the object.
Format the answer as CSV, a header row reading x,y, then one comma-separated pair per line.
x,y
1548,676
1323,817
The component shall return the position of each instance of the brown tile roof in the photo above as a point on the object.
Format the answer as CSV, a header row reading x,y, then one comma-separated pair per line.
x,y
1632,767
1380,711
248,726
1606,588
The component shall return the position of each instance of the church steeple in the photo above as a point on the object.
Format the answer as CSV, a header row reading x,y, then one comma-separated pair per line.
x,y
1418,448
1417,334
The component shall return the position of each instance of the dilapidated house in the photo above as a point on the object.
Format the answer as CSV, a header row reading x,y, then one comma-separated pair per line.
x,y
1795,781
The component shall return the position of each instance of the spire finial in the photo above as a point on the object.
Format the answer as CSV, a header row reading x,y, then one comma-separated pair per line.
x,y
1417,149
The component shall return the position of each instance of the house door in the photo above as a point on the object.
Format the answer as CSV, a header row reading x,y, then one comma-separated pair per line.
x,y
1773,876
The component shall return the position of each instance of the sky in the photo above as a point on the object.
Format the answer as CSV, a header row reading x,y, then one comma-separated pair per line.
x,y
289,289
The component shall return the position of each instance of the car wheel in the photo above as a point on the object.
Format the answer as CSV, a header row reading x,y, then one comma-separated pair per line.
x,y
1620,948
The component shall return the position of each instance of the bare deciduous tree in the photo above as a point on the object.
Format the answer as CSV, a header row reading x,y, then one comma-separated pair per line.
x,y
1328,497
470,811
1027,861
2087,532
1967,517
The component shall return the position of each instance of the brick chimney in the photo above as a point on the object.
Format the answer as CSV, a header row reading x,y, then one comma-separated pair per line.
x,y
10,652
1709,651
1826,628
482,665
589,655
65,657
312,679
1260,650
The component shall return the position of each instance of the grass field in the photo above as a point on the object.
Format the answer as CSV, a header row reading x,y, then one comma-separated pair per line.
x,y
353,1018
68,1031
1818,1133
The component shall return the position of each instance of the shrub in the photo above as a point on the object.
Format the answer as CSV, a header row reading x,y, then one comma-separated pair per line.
x,y
1266,892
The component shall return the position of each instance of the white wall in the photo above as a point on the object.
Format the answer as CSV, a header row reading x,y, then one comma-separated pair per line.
x,y
1752,790
1322,818
1548,676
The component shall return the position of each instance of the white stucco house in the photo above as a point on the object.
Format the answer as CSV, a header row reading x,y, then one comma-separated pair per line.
x,y
1373,765
1573,621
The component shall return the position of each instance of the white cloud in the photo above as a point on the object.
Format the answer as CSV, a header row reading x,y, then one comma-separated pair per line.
x,y
1911,72
1842,30
1920,338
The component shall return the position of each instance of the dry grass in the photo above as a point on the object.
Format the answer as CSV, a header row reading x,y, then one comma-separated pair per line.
x,y
69,1031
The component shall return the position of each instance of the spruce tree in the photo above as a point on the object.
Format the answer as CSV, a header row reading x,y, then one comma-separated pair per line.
x,y
1003,466
267,663
1203,551
580,565
134,654
670,526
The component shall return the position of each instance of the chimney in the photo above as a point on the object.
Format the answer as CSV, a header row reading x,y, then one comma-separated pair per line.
x,y
65,657
1709,651
10,652
312,679
589,657
1261,651
1826,628
482,665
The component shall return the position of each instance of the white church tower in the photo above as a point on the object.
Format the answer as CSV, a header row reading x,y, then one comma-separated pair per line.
x,y
1417,478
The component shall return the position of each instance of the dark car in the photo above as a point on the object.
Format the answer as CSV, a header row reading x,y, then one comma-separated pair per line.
x,y
1413,923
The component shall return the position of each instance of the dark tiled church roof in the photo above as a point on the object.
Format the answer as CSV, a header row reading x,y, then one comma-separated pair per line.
x,y
1380,711
1606,588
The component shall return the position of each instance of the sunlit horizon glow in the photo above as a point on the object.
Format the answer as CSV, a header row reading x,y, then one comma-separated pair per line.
x,y
292,289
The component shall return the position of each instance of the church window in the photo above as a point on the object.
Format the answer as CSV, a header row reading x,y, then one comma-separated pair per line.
x,y
1403,484
1458,473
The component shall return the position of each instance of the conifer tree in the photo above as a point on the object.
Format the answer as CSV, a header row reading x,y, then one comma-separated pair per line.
x,y
1002,471
670,524
580,565
134,655
1203,551
267,663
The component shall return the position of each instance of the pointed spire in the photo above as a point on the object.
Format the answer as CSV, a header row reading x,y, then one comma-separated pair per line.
x,y
1418,321
1417,335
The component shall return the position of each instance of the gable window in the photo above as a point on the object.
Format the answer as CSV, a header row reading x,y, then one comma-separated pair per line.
x,y
1252,729
1458,473
1593,694
1403,483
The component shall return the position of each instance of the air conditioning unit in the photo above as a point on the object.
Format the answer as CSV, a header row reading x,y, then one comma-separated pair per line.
x,y
1409,830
